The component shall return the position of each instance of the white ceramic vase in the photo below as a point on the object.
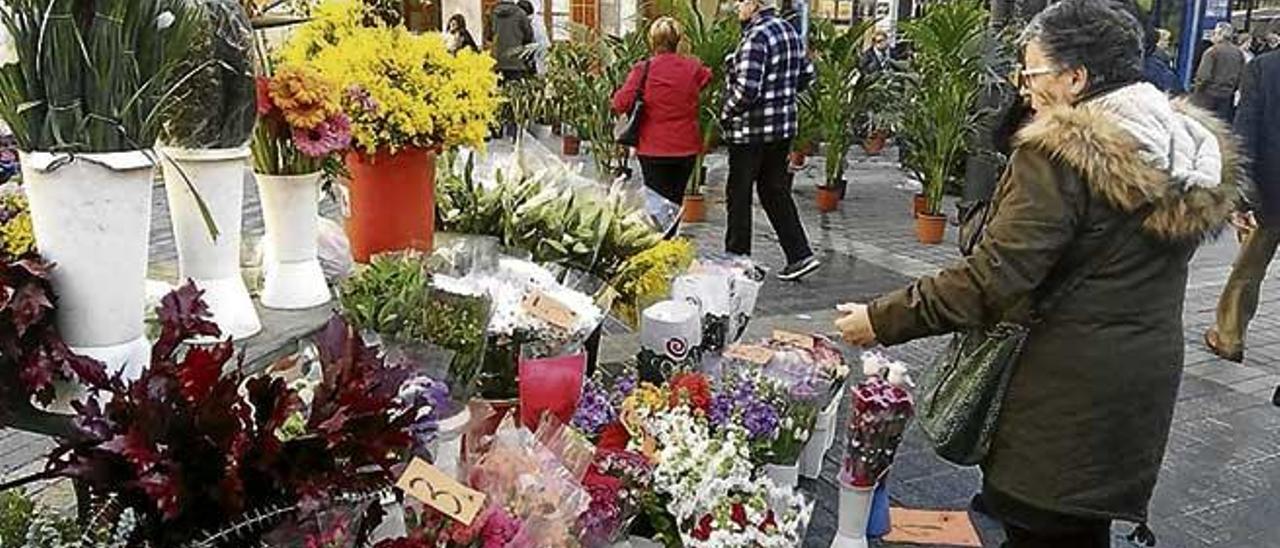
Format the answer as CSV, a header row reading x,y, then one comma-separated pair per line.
x,y
91,215
783,475
291,268
854,512
218,176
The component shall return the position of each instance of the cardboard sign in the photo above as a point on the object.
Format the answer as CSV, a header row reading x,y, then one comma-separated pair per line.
x,y
752,353
428,484
930,527
793,339
548,309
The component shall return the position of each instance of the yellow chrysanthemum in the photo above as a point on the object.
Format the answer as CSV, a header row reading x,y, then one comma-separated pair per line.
x,y
16,233
400,89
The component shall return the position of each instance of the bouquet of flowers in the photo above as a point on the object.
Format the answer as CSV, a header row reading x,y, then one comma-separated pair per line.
x,y
400,90
620,485
646,277
300,122
876,425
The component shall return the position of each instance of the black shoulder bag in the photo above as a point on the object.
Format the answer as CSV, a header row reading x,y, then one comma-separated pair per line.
x,y
627,133
962,395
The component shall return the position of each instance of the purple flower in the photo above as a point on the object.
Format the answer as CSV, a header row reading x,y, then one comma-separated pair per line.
x,y
595,411
761,420
361,98
426,398
623,388
329,137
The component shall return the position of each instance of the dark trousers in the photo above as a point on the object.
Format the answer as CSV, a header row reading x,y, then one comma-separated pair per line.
x,y
763,166
1096,535
667,176
1222,106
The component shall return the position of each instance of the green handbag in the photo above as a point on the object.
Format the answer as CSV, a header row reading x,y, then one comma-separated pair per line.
x,y
964,391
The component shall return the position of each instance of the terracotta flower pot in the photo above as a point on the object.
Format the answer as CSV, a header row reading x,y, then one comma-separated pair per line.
x,y
392,202
874,144
695,208
828,199
798,159
919,203
571,145
930,228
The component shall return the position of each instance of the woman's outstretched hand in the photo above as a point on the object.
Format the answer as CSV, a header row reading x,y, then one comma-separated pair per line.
x,y
855,325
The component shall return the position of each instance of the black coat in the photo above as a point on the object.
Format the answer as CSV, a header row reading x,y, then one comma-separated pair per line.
x,y
1258,125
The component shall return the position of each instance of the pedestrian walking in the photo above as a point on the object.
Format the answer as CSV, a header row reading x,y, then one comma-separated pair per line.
x,y
510,32
877,59
537,58
1258,126
670,85
764,77
459,37
1219,74
1158,64
1109,190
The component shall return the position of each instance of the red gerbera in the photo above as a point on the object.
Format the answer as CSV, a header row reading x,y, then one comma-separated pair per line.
x,y
265,104
613,436
691,389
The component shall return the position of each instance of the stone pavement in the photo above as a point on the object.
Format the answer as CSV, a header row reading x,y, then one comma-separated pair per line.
x,y
1223,462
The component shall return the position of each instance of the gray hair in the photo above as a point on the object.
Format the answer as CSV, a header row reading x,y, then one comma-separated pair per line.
x,y
1223,30
1102,37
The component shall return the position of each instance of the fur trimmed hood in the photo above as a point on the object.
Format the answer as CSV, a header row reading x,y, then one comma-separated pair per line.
x,y
1135,148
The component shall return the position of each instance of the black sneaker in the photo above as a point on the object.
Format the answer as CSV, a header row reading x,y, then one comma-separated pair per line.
x,y
1276,398
799,269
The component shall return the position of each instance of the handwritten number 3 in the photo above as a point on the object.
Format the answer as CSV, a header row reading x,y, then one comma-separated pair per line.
x,y
437,496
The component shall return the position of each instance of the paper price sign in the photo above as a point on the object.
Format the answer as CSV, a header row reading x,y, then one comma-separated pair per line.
x,y
550,310
428,484
794,339
752,353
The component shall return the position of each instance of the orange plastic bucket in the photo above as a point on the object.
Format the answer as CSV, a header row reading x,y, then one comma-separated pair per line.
x,y
392,198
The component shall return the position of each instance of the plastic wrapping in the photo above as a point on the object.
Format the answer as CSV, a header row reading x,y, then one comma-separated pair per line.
x,y
217,105
334,251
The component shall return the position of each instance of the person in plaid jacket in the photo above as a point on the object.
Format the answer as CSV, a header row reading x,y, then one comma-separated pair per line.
x,y
765,75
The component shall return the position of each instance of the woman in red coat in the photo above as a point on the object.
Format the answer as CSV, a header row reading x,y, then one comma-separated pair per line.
x,y
669,137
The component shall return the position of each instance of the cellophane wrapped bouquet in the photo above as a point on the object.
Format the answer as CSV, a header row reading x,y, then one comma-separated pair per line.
x,y
877,421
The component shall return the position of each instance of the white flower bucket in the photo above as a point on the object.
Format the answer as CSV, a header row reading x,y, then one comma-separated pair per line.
x,y
447,447
854,512
91,215
783,475
290,209
824,436
637,542
214,265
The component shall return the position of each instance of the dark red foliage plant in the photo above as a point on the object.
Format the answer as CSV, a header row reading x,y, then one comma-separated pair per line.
x,y
194,444
34,354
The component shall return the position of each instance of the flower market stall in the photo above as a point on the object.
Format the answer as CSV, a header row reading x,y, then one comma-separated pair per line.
x,y
455,395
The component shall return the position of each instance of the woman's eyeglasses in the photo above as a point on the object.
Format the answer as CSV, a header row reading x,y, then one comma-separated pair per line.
x,y
1025,75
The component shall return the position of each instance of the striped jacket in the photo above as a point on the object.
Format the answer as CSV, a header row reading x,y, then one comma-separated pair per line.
x,y
764,78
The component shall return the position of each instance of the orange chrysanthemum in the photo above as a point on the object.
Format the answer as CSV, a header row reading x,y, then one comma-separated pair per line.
x,y
306,99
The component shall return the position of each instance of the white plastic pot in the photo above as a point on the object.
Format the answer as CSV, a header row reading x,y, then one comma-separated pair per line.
x,y
854,512
447,448
290,210
91,215
824,436
213,264
783,475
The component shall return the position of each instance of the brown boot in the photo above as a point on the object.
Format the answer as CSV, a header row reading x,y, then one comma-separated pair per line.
x,y
1212,341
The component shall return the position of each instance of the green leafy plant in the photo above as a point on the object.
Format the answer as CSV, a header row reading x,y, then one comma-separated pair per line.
x,y
840,92
525,101
217,106
947,77
94,76
710,38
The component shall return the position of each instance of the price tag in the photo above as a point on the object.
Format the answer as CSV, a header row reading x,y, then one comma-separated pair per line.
x,y
428,484
793,339
550,310
752,353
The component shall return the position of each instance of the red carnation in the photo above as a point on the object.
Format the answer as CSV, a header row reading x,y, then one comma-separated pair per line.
x,y
613,436
739,515
703,530
692,389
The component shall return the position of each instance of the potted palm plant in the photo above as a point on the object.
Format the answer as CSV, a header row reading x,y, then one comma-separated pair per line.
x,y
939,114
84,92
205,156
710,39
567,62
839,93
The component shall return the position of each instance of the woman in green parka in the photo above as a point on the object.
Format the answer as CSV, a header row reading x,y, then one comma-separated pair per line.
x,y
1083,427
